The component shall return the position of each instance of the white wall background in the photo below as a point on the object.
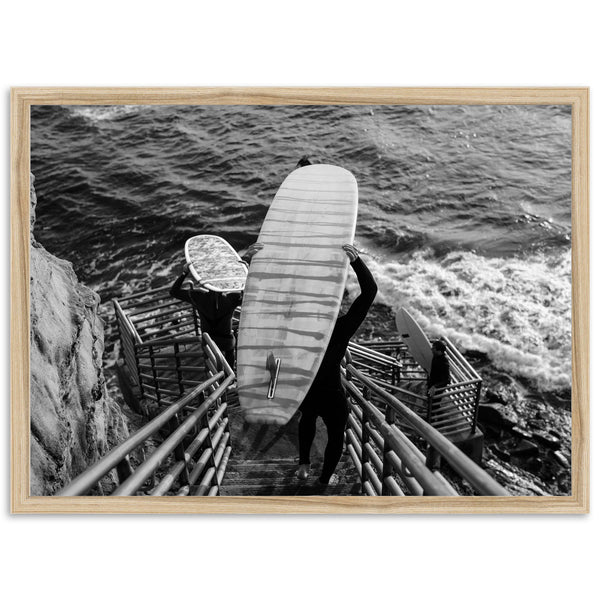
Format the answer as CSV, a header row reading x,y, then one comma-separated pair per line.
x,y
436,43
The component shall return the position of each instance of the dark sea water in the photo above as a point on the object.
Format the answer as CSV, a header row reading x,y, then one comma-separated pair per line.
x,y
464,211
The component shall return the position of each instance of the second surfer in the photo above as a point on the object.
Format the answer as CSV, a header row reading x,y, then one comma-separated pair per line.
x,y
326,397
215,309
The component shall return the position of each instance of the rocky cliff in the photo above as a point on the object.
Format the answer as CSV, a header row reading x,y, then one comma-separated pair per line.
x,y
73,421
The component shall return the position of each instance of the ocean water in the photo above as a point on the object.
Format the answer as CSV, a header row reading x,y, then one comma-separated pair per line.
x,y
464,211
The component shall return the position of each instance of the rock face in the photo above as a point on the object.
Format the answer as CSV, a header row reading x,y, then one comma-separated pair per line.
x,y
73,421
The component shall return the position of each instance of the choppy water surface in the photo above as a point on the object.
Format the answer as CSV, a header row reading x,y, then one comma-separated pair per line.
x,y
464,211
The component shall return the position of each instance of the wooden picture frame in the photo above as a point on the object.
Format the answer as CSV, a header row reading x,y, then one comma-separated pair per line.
x,y
21,101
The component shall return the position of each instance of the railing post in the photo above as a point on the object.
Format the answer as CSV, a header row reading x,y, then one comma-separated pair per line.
x,y
364,439
139,371
387,469
196,326
184,477
178,368
154,372
220,367
432,456
476,411
209,444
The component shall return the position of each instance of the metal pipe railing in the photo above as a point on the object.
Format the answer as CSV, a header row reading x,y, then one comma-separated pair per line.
x,y
463,465
86,480
133,483
424,476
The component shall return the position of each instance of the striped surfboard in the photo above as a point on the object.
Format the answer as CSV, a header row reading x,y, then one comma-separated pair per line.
x,y
294,289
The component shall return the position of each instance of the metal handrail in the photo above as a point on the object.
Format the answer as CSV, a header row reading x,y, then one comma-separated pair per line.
x,y
86,480
462,464
180,340
409,458
133,483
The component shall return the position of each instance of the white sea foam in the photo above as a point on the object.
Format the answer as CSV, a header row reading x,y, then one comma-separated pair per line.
x,y
517,311
103,113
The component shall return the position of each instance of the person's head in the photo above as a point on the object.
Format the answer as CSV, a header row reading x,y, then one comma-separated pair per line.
x,y
438,347
303,162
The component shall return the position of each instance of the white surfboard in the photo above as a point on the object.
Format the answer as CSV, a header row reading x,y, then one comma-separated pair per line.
x,y
214,264
412,335
294,290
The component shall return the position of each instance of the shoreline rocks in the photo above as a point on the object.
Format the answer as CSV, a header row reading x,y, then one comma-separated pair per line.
x,y
527,433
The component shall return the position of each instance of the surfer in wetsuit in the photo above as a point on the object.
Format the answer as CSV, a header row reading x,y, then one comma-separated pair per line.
x,y
439,373
326,397
303,162
438,379
215,309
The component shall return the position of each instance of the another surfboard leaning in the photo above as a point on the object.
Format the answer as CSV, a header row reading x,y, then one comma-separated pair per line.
x,y
294,290
214,264
412,335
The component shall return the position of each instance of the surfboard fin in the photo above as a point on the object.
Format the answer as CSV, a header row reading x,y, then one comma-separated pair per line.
x,y
273,365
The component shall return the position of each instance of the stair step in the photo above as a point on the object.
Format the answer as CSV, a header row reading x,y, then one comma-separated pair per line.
x,y
271,469
277,477
270,461
290,489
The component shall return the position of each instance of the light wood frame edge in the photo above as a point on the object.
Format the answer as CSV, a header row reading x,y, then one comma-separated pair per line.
x,y
21,101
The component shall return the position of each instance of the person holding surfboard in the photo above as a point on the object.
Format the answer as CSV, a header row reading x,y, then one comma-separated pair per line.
x,y
326,397
215,309
437,380
439,373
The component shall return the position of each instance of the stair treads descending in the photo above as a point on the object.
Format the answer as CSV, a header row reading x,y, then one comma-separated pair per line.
x,y
277,477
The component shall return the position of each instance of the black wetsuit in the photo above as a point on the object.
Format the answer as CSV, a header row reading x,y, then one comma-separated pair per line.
x,y
215,311
439,375
326,397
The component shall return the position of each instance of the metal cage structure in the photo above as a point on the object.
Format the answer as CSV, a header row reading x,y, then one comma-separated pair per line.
x,y
453,411
162,350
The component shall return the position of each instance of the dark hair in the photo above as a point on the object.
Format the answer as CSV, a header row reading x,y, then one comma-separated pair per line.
x,y
439,345
303,162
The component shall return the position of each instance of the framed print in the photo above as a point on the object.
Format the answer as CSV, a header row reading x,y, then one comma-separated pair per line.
x,y
300,300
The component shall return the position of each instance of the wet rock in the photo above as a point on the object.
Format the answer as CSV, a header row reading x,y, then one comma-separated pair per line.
x,y
73,420
475,355
547,439
500,453
524,449
522,433
493,397
493,414
561,459
564,483
535,465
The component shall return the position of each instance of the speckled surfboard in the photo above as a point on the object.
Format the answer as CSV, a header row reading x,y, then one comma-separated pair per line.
x,y
214,264
412,335
294,289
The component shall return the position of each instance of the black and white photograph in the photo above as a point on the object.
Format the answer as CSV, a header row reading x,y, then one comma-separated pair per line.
x,y
301,300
